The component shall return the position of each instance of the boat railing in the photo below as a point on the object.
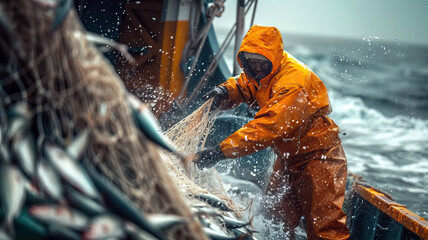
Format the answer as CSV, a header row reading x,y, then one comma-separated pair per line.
x,y
373,214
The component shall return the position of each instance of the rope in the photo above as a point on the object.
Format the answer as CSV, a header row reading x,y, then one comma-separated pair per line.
x,y
213,11
254,12
213,65
69,86
190,135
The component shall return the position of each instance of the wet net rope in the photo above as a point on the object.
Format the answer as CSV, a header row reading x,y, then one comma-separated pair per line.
x,y
70,87
190,135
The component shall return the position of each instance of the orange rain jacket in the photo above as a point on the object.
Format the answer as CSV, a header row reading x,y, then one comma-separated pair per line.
x,y
292,120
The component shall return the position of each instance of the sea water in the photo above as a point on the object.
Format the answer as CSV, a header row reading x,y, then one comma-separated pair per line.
x,y
379,95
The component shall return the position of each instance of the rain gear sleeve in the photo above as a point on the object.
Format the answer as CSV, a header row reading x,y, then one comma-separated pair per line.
x,y
292,101
284,113
293,120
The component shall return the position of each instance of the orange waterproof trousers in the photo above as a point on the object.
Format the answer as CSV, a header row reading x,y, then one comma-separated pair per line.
x,y
312,185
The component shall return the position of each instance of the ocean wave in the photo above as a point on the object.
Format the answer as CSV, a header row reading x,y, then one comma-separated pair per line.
x,y
385,150
378,94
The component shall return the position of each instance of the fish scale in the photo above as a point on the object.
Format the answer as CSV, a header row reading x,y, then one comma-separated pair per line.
x,y
122,206
79,144
49,180
18,119
57,170
213,201
12,192
70,170
83,203
18,125
166,221
25,153
61,215
4,154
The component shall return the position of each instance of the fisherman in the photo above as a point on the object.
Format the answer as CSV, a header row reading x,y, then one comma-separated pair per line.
x,y
310,172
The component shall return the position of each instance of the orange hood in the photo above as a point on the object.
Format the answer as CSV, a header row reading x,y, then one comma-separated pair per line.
x,y
266,41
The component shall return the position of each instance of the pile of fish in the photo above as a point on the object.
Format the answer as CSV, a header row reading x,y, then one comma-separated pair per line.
x,y
47,192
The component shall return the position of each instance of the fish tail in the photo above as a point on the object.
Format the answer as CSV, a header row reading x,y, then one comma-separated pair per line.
x,y
185,161
7,225
61,13
251,222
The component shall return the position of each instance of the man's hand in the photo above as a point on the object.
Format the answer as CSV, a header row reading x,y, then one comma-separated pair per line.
x,y
208,157
219,94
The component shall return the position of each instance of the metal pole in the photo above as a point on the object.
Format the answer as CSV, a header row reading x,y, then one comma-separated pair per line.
x,y
240,22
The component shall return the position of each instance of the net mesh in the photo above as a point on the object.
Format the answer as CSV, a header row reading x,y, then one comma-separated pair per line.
x,y
190,135
71,87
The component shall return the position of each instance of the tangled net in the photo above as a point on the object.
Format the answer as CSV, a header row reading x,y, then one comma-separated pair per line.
x,y
190,135
70,87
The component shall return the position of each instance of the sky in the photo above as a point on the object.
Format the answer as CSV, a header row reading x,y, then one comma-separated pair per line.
x,y
402,21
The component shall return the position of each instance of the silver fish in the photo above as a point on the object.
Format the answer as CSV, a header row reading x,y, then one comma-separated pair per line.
x,y
79,144
49,180
104,227
54,214
19,116
213,201
45,3
83,203
57,231
136,233
215,235
2,131
3,114
20,109
234,223
12,192
36,196
149,125
4,236
101,40
32,189
17,126
243,235
25,151
120,205
60,14
166,221
204,210
70,170
4,154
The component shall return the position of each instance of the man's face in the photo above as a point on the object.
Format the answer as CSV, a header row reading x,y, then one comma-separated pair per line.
x,y
259,68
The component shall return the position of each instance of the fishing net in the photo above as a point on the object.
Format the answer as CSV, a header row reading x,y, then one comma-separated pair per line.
x,y
70,87
190,135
